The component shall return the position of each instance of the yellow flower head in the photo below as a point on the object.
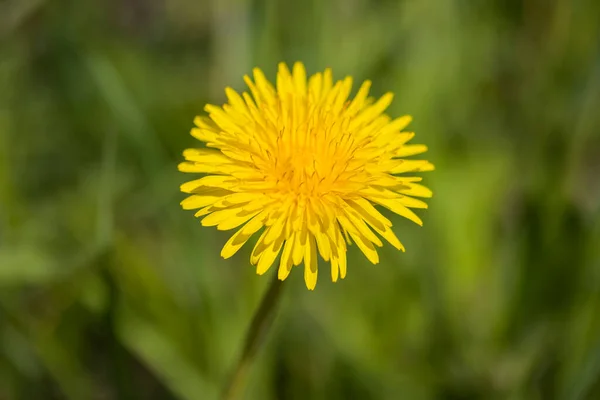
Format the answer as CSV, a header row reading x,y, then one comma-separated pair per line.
x,y
308,165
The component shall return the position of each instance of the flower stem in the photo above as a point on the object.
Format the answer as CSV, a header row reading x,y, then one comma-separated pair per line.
x,y
255,335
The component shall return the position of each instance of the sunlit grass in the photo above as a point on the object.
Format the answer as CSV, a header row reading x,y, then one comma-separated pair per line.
x,y
108,289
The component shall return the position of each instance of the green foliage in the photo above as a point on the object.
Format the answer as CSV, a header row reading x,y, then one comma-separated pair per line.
x,y
108,290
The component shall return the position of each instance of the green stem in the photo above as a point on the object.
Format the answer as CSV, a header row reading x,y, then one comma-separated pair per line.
x,y
261,322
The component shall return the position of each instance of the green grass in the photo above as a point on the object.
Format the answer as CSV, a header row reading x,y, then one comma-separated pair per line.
x,y
108,290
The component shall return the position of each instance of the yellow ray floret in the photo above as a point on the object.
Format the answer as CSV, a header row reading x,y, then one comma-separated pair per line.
x,y
308,166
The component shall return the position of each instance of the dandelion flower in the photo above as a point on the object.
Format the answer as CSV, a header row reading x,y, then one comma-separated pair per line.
x,y
308,166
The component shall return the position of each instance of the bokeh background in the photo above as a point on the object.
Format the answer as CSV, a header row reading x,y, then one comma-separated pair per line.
x,y
108,290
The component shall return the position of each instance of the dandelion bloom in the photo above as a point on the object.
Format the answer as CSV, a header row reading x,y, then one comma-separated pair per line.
x,y
309,166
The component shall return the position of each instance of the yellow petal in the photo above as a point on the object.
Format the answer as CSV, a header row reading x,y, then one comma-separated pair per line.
x,y
341,254
199,168
193,202
237,198
372,112
315,83
303,233
203,122
236,101
261,203
369,213
254,90
220,216
211,181
235,221
204,211
285,264
299,75
323,245
257,222
327,81
310,264
391,237
206,156
371,129
276,230
268,257
397,125
312,219
346,236
284,80
411,150
264,86
204,135
256,115
366,247
412,165
397,207
335,269
298,249
359,100
222,119
356,220
241,237
256,186
414,189
259,247
377,221
378,192
412,202
343,94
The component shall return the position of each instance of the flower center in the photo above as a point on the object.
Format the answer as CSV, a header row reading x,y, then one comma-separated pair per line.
x,y
303,159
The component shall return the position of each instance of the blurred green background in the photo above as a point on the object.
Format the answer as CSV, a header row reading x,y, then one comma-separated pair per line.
x,y
108,290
